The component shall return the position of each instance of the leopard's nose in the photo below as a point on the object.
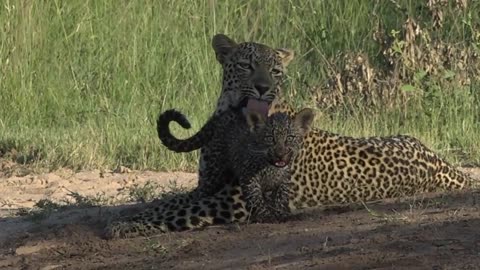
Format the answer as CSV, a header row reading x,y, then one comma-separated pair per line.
x,y
262,88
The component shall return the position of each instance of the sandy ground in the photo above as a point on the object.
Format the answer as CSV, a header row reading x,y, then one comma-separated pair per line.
x,y
429,231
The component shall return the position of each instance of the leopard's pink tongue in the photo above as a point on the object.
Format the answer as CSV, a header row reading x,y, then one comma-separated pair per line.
x,y
258,106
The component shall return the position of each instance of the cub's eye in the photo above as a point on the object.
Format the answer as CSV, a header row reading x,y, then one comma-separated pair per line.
x,y
269,139
290,138
244,65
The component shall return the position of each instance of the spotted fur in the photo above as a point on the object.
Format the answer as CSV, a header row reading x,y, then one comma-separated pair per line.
x,y
330,168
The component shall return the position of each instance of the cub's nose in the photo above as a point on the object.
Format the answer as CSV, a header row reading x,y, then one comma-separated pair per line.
x,y
281,154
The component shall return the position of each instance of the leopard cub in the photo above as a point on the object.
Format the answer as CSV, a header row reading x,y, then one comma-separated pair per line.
x,y
261,160
255,148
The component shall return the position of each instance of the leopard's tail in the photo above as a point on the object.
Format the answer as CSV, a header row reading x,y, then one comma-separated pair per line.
x,y
175,144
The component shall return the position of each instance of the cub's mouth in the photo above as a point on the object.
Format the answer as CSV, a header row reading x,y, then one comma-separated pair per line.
x,y
282,161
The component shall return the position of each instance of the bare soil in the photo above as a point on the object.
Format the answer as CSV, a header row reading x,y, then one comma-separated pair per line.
x,y
429,231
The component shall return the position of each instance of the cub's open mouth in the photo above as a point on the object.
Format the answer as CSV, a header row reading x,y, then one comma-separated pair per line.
x,y
280,163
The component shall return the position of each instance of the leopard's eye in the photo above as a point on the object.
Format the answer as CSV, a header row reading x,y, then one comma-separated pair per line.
x,y
277,72
244,65
290,138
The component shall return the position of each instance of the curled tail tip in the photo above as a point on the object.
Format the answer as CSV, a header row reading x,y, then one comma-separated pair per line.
x,y
183,121
174,115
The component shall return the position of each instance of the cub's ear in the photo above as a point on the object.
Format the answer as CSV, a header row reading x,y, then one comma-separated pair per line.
x,y
223,47
303,119
255,121
285,55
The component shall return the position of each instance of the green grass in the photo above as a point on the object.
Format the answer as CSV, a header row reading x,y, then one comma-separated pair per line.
x,y
81,82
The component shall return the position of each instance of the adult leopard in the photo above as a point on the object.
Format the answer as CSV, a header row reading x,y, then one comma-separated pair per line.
x,y
329,169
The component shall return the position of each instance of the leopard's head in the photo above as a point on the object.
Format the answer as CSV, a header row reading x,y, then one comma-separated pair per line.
x,y
252,73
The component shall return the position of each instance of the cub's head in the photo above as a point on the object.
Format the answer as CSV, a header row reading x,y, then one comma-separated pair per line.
x,y
278,137
252,73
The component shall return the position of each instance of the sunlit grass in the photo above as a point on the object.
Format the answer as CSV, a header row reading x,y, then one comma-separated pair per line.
x,y
81,82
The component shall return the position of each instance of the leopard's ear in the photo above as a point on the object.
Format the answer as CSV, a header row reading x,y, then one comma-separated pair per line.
x,y
304,119
223,46
286,55
255,121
